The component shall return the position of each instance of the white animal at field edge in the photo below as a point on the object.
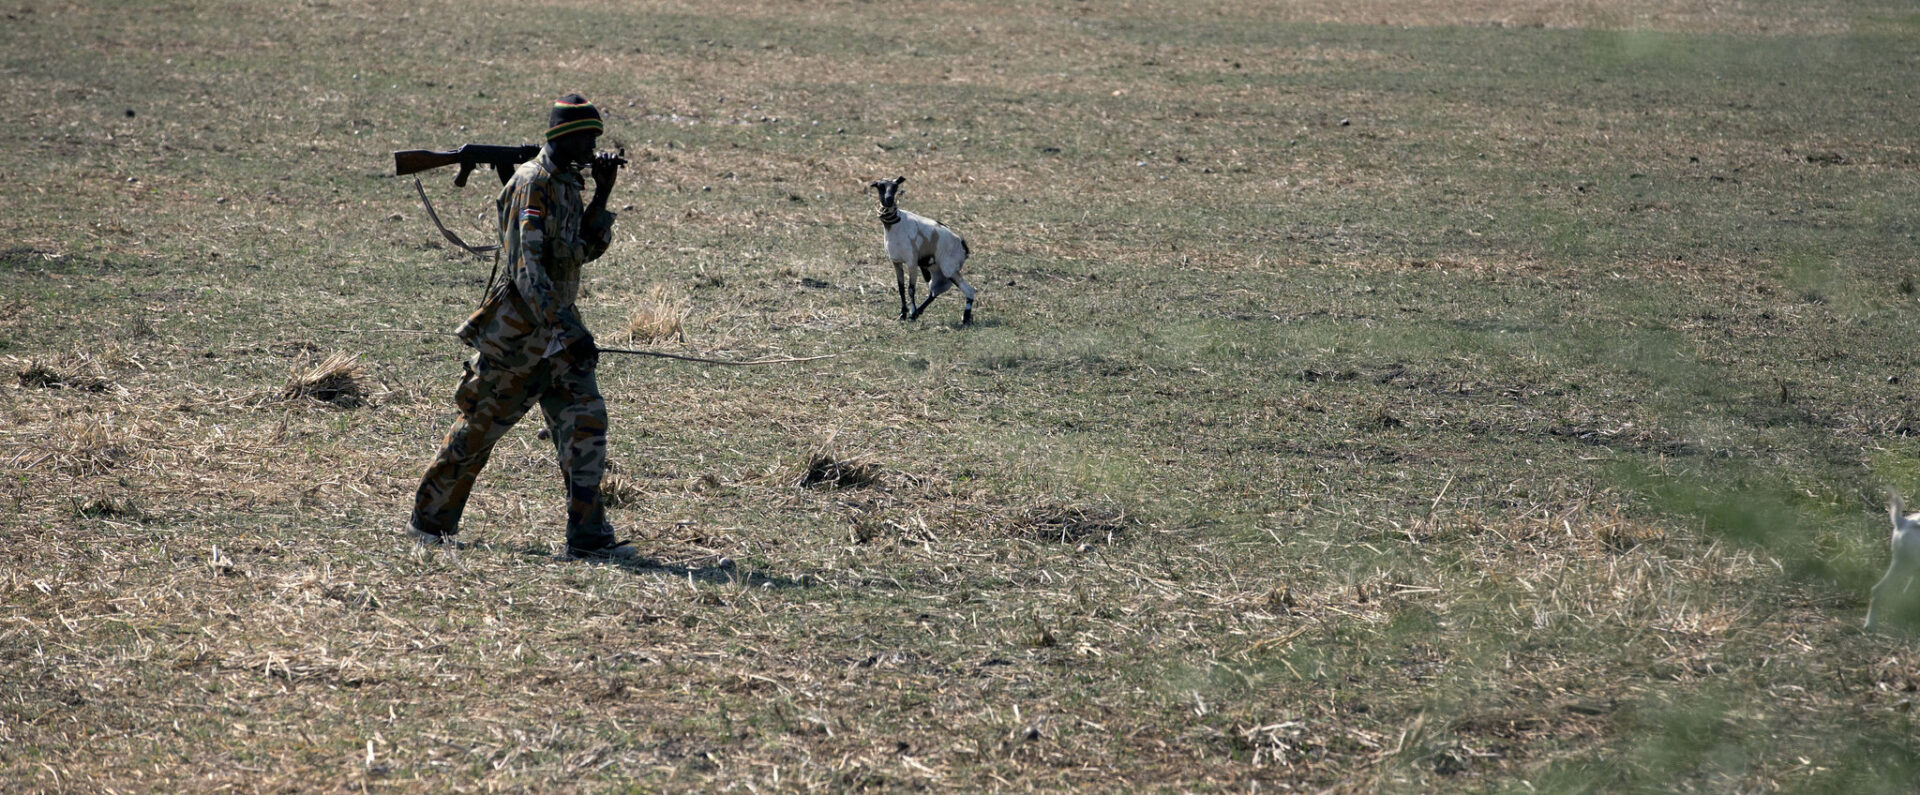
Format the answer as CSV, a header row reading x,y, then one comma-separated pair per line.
x,y
1905,568
929,245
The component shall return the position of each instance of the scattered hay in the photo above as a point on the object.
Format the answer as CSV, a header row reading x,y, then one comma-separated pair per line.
x,y
1383,420
45,376
1620,534
107,507
337,379
824,471
1071,524
658,316
40,375
80,446
297,665
619,491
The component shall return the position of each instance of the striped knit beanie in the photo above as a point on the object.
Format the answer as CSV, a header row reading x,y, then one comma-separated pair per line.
x,y
573,113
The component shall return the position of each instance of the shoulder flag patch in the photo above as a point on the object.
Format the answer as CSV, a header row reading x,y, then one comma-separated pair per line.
x,y
530,215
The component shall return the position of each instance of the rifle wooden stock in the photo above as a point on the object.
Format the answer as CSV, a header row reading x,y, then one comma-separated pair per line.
x,y
503,159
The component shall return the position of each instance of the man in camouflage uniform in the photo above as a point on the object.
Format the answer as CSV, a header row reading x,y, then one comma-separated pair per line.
x,y
531,346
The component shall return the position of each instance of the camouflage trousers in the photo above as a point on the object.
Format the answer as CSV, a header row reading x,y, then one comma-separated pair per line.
x,y
491,398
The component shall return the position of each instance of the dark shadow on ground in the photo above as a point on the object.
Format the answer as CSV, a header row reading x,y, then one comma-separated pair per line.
x,y
726,572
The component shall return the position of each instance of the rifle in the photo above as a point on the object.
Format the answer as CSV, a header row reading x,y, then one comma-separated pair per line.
x,y
502,158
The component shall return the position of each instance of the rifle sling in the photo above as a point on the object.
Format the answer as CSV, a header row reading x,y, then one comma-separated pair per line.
x,y
478,251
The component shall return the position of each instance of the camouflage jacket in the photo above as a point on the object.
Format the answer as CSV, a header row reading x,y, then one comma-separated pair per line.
x,y
528,314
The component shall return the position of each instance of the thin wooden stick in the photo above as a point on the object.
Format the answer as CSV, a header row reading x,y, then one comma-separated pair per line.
x,y
727,362
628,351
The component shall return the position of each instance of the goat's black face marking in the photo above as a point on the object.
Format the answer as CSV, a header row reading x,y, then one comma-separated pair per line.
x,y
889,190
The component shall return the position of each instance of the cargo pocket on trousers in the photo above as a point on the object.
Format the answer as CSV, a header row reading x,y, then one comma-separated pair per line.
x,y
467,396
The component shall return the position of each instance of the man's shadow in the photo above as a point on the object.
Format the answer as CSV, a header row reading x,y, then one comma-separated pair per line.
x,y
726,572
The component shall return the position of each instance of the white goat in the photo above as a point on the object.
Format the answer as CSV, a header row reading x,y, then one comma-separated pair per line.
x,y
926,244
1906,560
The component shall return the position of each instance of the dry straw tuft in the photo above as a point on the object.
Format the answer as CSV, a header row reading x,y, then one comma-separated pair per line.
x,y
83,445
658,316
825,471
46,376
338,379
1620,534
1071,524
107,507
620,491
40,375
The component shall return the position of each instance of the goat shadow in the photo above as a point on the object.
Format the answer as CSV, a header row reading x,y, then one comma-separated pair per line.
x,y
724,573
954,324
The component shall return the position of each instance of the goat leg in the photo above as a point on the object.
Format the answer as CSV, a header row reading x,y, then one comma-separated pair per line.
x,y
1885,590
966,318
900,281
934,289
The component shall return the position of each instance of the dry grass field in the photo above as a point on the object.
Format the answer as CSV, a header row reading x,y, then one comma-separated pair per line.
x,y
1439,395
